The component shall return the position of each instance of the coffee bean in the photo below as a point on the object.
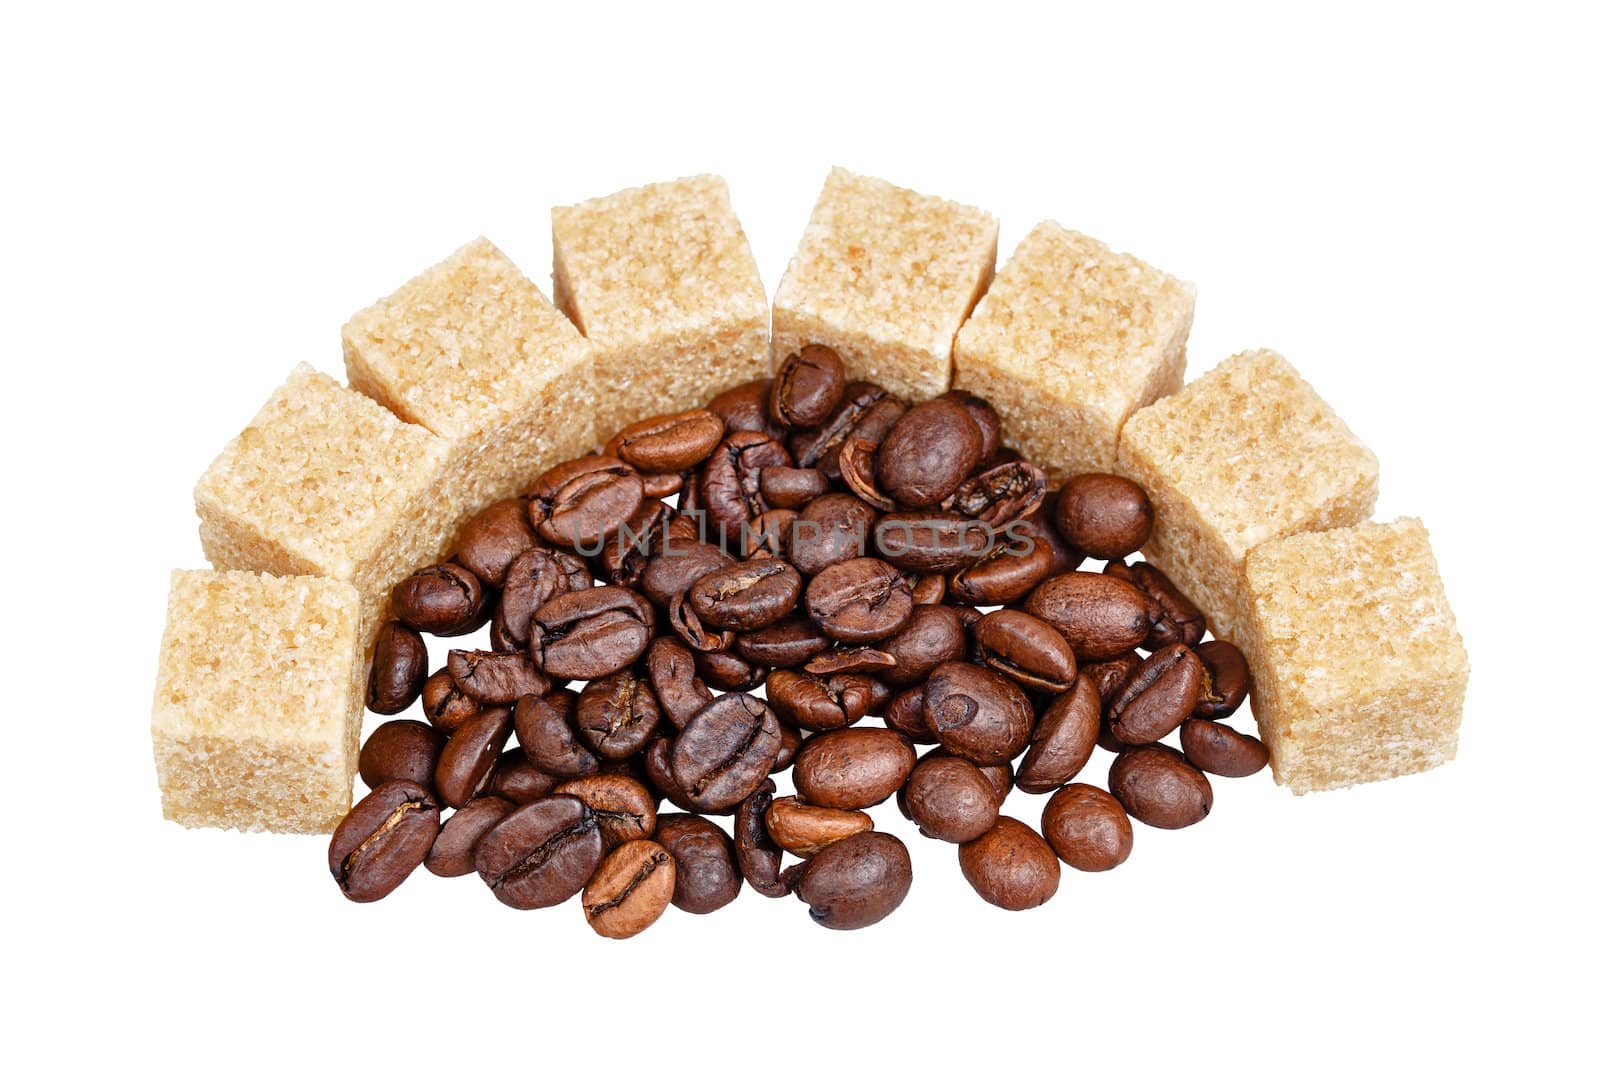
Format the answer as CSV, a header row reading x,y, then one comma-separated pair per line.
x,y
746,596
853,768
1009,571
985,417
1227,680
626,553
767,535
849,659
1011,866
670,667
617,715
818,703
446,600
744,409
789,742
934,635
580,503
858,466
707,872
658,774
540,854
445,705
1174,618
729,672
999,495
1025,649
496,677
806,829
399,669
1219,749
680,563
693,631
859,601
494,537
1159,787
1108,675
1099,615
930,542
621,806
657,486
977,713
830,529
926,589
786,643
532,580
382,840
451,854
866,412
630,890
731,484
807,388
759,857
1062,742
1104,516
1157,697
929,453
590,633
950,799
1087,828
792,487
725,751
466,762
544,730
907,715
855,882
667,443
517,780
1040,528
406,751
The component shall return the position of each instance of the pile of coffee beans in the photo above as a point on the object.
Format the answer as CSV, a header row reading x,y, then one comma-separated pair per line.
x,y
852,558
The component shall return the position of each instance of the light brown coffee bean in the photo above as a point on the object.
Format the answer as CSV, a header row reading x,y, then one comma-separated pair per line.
x,y
630,889
806,829
1011,866
853,768
1087,828
1159,787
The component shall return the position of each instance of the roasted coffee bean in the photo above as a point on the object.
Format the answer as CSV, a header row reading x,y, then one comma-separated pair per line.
x,y
930,542
1099,615
744,409
731,482
540,854
1007,572
1087,828
494,537
692,629
446,600
519,781
496,677
1011,866
977,713
679,691
792,487
934,635
445,705
746,596
866,412
999,495
1108,675
999,775
786,643
667,443
849,659
950,799
1040,528
617,715
451,853
985,417
853,768
1227,680
767,535
403,751
580,503
622,807
759,857
806,829
907,714
807,388
399,669
789,742
382,840
680,563
1063,741
532,580
630,889
707,872
1157,697
855,882
929,453
544,729
818,703
1219,749
657,486
1104,516
726,751
729,672
590,633
1159,787
1174,619
466,763
628,551
859,601
831,529
658,774
858,466
926,588
1025,649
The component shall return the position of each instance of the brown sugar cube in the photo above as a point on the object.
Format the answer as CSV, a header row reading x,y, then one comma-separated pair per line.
x,y
326,481
885,277
1070,340
472,350
1360,674
257,706
662,282
1245,454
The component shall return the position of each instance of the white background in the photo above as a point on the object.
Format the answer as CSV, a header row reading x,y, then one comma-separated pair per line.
x,y
1400,200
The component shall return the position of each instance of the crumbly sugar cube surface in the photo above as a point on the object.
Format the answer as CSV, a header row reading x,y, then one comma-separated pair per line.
x,y
662,282
257,708
885,277
472,350
1070,340
1360,673
1243,455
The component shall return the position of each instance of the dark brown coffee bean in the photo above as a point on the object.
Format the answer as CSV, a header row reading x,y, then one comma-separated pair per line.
x,y
622,807
806,829
792,487
1011,568
853,768
1108,675
590,633
767,535
1104,516
999,495
680,693
759,857
664,444
731,482
1157,697
855,882
403,751
818,703
746,596
788,747
929,453
977,713
657,486
1087,828
858,466
1174,619
729,672
786,643
849,659
1011,866
1219,749
517,780
926,588
451,853
1099,615
934,635
708,872
630,890
859,601
1062,742
617,715
1041,529
1159,787
907,714
1227,680
726,751
693,631
496,677
532,580
985,417
1025,649
494,537
540,854
466,763
744,409
680,563
583,501
658,774
399,669
626,554
867,412
807,388
382,840
930,542
446,600
950,799
445,705
544,729
830,529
